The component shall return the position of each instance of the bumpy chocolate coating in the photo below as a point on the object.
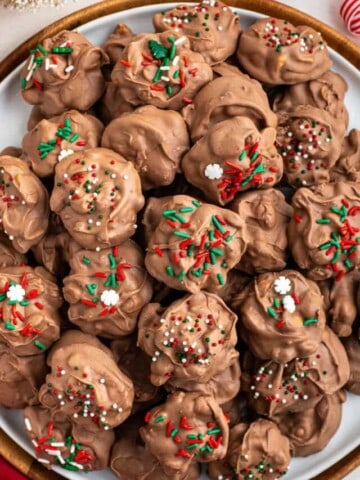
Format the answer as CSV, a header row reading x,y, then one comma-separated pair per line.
x,y
282,316
50,141
352,347
100,396
344,303
310,430
112,104
323,231
266,215
29,302
309,140
211,26
278,388
142,81
9,257
117,41
154,140
258,448
190,238
236,282
192,339
225,97
131,461
24,209
97,195
137,366
347,168
54,249
276,52
20,378
326,92
106,290
223,386
63,73
188,414
58,441
232,157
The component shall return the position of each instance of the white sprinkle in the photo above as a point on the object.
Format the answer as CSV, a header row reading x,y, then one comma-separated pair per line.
x,y
165,79
54,453
31,62
102,381
75,415
176,60
282,285
213,171
43,460
125,177
58,444
15,292
47,64
97,249
77,465
69,68
64,153
28,425
34,442
289,304
113,175
180,40
110,298
219,28
165,68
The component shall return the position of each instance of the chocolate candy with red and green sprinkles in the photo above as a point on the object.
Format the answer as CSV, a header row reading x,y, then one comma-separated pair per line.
x,y
324,233
278,388
282,316
85,384
309,140
192,339
211,26
106,290
193,245
62,73
97,194
24,204
232,157
275,52
29,303
160,69
50,141
258,451
187,428
57,441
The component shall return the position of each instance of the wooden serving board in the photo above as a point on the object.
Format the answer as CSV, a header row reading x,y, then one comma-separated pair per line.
x,y
8,448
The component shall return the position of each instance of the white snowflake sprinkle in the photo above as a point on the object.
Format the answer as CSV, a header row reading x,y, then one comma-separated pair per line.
x,y
282,285
110,298
213,171
64,153
289,304
16,293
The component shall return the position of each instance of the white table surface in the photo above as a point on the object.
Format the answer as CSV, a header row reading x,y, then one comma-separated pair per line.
x,y
17,26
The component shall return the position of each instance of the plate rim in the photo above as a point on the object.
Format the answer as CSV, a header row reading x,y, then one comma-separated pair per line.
x,y
338,42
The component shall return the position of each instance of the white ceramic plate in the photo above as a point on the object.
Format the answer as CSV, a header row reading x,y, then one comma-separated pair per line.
x,y
13,118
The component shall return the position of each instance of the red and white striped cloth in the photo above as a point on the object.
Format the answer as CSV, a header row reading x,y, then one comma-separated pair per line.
x,y
350,12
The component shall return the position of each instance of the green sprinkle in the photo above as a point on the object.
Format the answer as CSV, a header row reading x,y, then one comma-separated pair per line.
x,y
348,263
192,436
168,213
217,252
40,345
325,246
214,431
271,312
23,83
186,209
220,279
74,138
2,297
276,303
310,321
182,234
91,288
86,260
112,261
191,447
169,89
159,419
196,203
174,432
242,155
9,326
322,221
42,49
170,271
181,276
176,74
157,75
217,224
